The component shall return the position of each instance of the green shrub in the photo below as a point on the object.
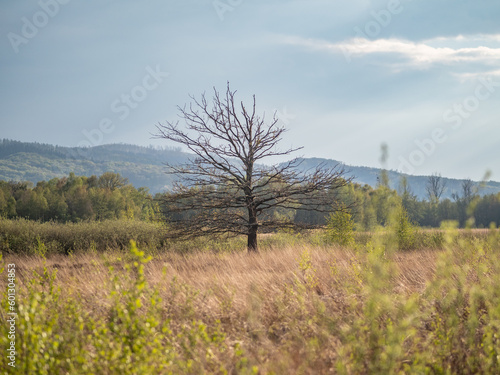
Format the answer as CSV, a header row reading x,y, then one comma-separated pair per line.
x,y
31,237
340,228
405,231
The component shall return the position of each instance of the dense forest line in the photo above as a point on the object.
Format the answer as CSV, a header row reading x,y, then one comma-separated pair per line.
x,y
373,207
110,196
76,198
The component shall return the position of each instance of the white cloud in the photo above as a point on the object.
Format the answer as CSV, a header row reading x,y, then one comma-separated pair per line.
x,y
474,76
420,55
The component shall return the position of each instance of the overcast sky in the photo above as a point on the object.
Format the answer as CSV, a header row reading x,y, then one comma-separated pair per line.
x,y
422,76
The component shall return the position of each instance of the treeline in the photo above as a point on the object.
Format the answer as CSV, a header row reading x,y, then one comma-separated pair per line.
x,y
110,196
77,198
97,154
9,147
373,207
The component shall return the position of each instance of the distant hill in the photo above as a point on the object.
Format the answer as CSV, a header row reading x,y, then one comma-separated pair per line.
x,y
369,176
145,166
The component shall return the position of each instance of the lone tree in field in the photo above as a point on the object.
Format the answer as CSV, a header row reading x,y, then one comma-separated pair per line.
x,y
225,188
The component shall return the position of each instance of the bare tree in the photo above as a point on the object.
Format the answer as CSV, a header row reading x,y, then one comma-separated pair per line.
x,y
111,181
435,187
226,188
469,190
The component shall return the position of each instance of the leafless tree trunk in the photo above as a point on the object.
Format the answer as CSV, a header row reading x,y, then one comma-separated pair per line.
x,y
226,188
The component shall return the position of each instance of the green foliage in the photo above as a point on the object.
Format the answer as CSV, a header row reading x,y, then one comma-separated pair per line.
x,y
374,207
108,197
376,339
307,269
346,314
405,231
77,199
133,335
340,228
30,237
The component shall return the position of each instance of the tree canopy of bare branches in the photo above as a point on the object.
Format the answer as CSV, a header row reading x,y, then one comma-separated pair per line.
x,y
226,188
435,187
469,191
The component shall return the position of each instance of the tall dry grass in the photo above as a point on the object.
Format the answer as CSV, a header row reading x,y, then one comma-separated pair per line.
x,y
297,308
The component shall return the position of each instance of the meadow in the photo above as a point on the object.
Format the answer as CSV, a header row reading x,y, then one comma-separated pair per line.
x,y
303,305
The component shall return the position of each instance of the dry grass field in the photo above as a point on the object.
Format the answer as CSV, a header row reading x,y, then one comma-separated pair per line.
x,y
299,309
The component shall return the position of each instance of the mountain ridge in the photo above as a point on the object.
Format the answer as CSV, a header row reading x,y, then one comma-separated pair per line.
x,y
145,166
